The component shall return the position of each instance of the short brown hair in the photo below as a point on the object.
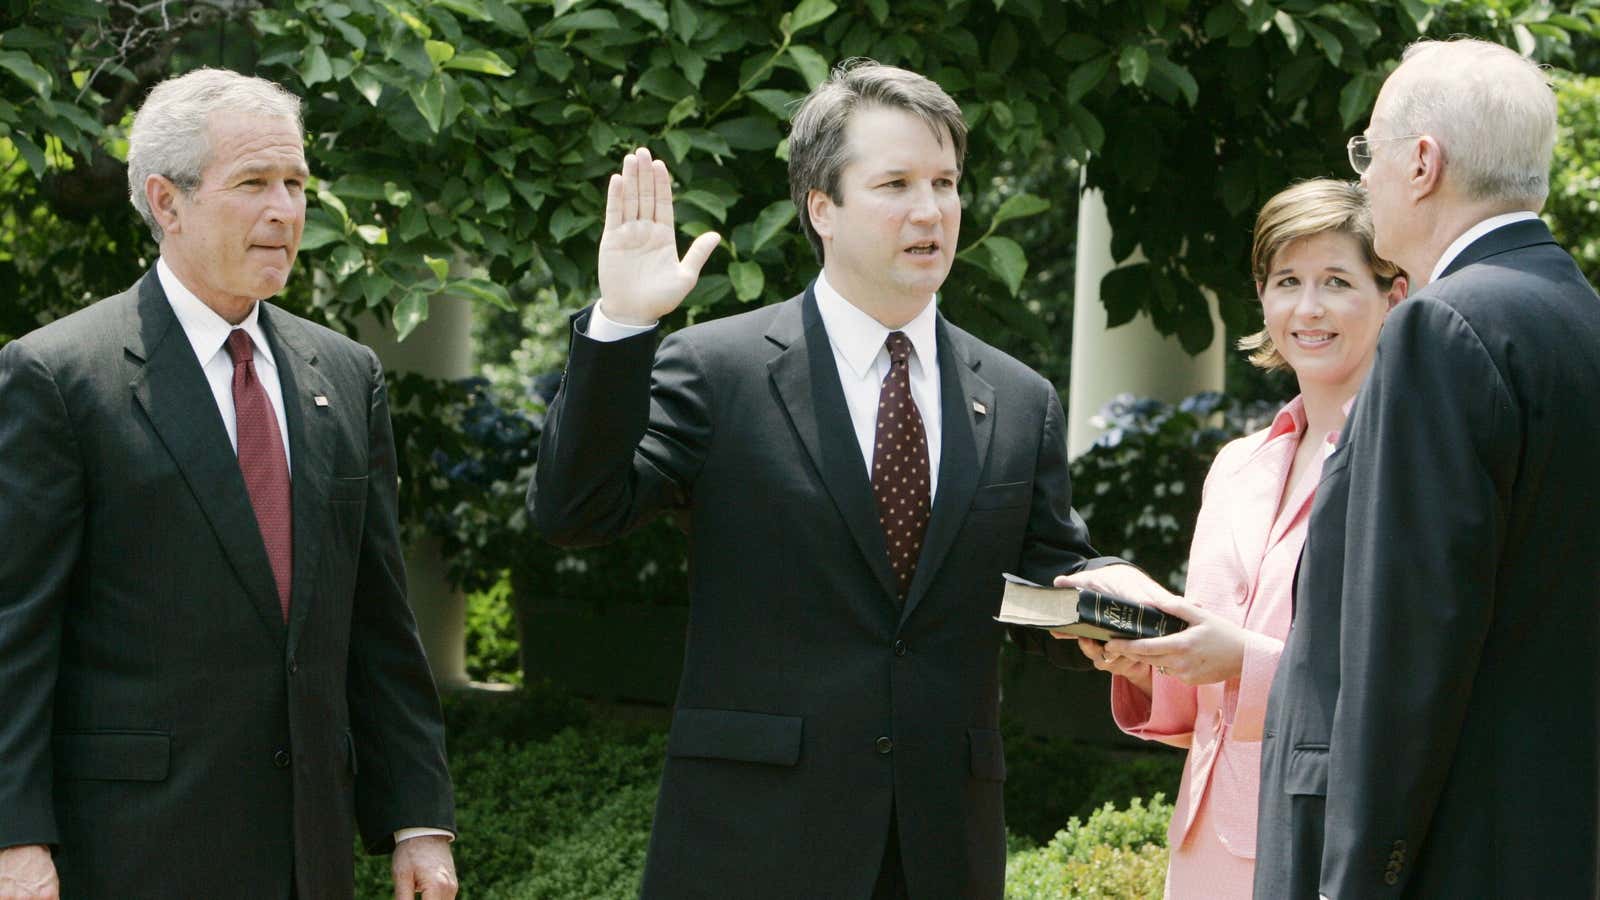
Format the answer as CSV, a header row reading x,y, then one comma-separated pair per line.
x,y
1300,211
817,148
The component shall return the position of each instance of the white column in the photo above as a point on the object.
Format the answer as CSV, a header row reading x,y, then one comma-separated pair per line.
x,y
440,347
1131,358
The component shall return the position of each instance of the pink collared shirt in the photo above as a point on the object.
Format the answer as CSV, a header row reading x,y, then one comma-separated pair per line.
x,y
1241,566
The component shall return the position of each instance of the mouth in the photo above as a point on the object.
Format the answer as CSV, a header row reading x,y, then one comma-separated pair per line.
x,y
927,248
1313,338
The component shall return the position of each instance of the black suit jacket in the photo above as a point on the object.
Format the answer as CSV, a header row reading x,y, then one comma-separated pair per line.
x,y
1431,731
810,705
159,724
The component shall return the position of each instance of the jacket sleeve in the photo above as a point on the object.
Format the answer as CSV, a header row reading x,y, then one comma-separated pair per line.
x,y
1166,716
624,438
402,780
1057,541
1432,445
41,529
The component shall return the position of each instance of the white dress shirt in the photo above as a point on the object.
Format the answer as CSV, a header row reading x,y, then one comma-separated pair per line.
x,y
1471,234
208,335
863,362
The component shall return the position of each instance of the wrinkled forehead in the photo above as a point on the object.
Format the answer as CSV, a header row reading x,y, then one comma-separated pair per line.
x,y
243,140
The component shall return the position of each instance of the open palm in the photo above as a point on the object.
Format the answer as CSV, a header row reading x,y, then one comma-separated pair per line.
x,y
641,276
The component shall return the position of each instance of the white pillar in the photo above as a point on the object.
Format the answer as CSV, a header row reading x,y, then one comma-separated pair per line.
x,y
440,347
1131,358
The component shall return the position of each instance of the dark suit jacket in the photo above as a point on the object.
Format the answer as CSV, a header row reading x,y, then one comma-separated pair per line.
x,y
158,722
809,704
1431,731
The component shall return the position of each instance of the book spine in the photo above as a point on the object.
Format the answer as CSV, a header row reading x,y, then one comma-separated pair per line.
x,y
1135,620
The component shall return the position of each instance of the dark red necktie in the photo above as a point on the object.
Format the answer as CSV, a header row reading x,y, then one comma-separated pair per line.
x,y
900,466
263,463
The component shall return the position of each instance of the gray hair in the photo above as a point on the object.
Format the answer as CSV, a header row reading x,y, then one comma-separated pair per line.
x,y
1492,111
171,135
818,151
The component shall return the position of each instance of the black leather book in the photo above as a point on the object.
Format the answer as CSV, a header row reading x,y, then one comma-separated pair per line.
x,y
1083,613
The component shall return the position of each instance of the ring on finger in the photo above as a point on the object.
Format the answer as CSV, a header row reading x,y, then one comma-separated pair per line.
x,y
1162,669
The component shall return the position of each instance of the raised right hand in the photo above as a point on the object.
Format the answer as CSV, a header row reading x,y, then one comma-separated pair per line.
x,y
28,873
641,277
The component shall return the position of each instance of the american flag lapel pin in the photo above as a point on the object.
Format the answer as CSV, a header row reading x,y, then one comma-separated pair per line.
x,y
319,399
979,408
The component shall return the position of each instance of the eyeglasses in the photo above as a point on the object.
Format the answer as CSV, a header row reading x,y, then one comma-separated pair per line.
x,y
1359,149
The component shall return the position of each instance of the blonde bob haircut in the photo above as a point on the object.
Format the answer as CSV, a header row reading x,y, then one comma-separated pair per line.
x,y
1304,210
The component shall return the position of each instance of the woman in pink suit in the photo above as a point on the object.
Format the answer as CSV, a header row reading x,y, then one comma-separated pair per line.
x,y
1324,295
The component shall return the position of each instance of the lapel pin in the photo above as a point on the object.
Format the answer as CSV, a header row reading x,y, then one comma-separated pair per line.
x,y
979,408
319,400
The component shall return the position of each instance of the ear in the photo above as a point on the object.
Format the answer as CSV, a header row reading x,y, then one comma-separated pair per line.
x,y
1261,288
1425,168
1398,290
819,206
163,197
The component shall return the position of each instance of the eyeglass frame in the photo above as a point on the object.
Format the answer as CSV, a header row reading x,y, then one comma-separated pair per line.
x,y
1361,140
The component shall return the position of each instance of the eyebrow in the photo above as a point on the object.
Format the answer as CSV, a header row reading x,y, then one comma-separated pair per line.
x,y
901,173
1290,271
267,168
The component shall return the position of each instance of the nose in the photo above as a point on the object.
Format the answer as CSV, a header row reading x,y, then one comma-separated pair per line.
x,y
1309,304
925,206
283,204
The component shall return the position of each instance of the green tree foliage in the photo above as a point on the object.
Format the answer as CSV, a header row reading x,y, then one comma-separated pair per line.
x,y
462,145
1573,209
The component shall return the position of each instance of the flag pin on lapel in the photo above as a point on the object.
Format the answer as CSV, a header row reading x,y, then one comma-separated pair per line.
x,y
979,408
319,399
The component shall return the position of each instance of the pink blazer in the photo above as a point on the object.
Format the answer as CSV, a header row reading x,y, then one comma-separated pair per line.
x,y
1241,566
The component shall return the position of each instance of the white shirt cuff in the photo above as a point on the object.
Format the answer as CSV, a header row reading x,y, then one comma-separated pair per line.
x,y
406,834
606,330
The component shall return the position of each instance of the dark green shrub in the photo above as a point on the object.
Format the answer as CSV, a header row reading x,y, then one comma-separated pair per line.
x,y
1118,853
1050,780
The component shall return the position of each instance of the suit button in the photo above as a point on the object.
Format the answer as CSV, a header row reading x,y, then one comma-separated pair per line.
x,y
281,759
900,648
884,745
1391,878
294,666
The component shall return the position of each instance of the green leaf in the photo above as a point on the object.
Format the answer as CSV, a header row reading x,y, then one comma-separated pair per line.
x,y
1002,115
1086,77
747,279
781,104
711,203
485,62
692,64
472,9
395,194
1080,47
21,65
1003,47
1355,101
367,85
480,290
372,234
507,19
679,143
652,11
346,261
354,187
811,64
409,313
564,222
496,195
36,161
554,63
440,267
1332,47
809,13
439,51
685,21
1123,292
749,132
1008,261
666,83
1134,64
587,20
320,231
1089,127
1221,20
1365,30
708,290
1289,30
770,222
1179,76
681,110
314,66
429,99
1296,78
1019,206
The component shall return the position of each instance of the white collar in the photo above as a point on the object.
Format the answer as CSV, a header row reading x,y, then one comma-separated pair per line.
x,y
206,330
1471,234
858,337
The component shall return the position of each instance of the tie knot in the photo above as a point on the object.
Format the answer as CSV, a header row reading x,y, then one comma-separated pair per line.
x,y
899,346
240,347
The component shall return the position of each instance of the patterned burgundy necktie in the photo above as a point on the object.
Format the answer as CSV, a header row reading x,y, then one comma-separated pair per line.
x,y
900,466
263,463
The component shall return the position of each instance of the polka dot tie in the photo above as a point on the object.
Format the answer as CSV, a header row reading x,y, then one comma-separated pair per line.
x,y
263,463
900,466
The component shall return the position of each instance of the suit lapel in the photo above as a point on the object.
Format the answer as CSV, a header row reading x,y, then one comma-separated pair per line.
x,y
1514,236
174,393
310,429
965,435
807,381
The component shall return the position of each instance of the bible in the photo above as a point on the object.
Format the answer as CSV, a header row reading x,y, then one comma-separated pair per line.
x,y
1083,613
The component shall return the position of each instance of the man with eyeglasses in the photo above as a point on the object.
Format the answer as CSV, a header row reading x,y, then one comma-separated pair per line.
x,y
1432,728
